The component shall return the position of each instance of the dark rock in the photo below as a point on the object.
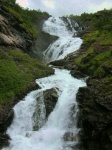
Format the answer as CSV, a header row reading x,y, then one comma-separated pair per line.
x,y
107,69
4,140
50,100
41,43
68,63
59,63
95,115
6,120
77,74
45,104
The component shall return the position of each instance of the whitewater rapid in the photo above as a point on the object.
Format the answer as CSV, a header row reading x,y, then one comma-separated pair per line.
x,y
63,119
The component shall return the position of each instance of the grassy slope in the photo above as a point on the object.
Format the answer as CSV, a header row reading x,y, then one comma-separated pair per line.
x,y
17,71
98,55
97,59
95,101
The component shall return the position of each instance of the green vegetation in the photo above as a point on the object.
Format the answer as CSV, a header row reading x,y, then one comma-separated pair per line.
x,y
99,21
97,57
17,71
83,20
94,59
91,37
28,20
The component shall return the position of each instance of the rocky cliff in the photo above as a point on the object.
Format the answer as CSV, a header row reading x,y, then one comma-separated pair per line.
x,y
15,33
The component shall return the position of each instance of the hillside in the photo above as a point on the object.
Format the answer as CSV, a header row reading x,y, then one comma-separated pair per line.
x,y
94,61
18,70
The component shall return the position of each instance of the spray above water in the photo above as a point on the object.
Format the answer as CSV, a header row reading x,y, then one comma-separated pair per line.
x,y
52,132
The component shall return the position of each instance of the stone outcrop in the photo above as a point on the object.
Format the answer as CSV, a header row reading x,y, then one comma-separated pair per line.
x,y
50,100
4,139
45,104
68,63
41,44
10,35
13,35
95,115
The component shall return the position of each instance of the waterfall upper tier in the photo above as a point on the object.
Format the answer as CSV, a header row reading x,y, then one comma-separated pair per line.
x,y
65,44
56,26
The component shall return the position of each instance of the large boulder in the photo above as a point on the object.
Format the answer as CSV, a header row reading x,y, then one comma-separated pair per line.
x,y
45,104
50,100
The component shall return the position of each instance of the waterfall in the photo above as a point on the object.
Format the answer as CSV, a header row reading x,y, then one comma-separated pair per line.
x,y
65,44
71,25
30,129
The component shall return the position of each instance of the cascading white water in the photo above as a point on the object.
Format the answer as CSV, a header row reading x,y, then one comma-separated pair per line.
x,y
65,44
50,136
71,25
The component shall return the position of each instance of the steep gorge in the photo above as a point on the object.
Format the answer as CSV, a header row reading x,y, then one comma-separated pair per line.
x,y
93,59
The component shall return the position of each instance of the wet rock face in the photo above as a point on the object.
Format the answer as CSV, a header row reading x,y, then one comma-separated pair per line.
x,y
39,116
45,104
50,100
6,117
10,36
13,36
95,116
41,44
5,120
4,139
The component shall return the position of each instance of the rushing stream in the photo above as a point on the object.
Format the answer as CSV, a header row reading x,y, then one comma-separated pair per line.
x,y
50,135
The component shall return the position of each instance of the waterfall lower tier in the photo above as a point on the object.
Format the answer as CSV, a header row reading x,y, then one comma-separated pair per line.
x,y
60,121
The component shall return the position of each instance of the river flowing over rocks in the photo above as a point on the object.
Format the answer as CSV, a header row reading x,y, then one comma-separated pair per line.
x,y
37,126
